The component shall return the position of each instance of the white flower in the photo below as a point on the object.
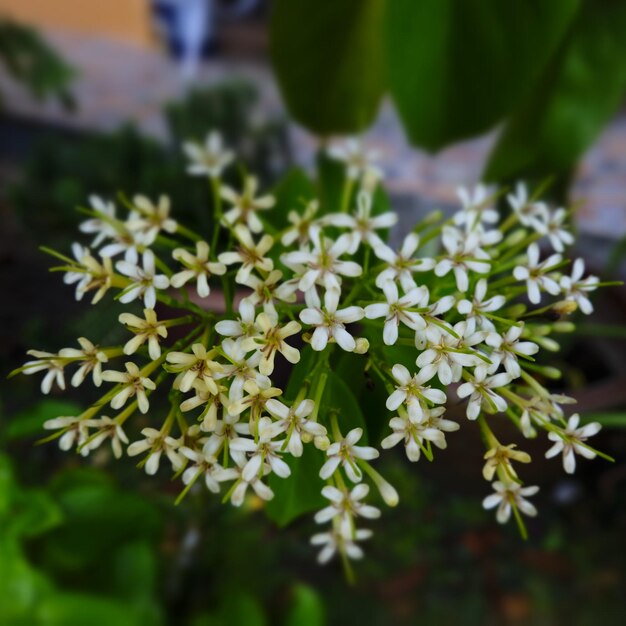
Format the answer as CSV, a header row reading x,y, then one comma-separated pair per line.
x,y
402,265
292,420
272,340
570,441
476,207
397,309
359,160
414,434
301,224
363,225
412,391
551,224
507,495
262,450
102,226
242,328
346,504
213,472
156,443
250,254
197,365
89,274
481,394
535,274
209,159
322,264
464,254
508,347
92,359
108,429
148,329
239,369
527,212
51,364
266,291
345,453
259,487
259,392
144,280
328,321
444,357
576,288
477,307
133,384
74,432
226,430
342,540
151,218
245,204
197,266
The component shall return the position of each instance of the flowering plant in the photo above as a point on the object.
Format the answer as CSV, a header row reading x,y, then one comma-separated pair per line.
x,y
275,346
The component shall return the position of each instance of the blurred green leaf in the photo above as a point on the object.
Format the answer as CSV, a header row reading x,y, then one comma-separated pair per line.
x,y
29,423
292,193
610,420
307,608
238,609
578,92
299,493
327,58
456,68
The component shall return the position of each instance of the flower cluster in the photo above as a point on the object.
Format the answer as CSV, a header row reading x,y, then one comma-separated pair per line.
x,y
437,327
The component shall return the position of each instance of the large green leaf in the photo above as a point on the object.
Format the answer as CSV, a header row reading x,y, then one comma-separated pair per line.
x,y
307,608
456,67
328,60
579,91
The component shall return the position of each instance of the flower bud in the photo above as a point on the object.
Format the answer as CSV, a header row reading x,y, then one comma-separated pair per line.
x,y
322,442
362,345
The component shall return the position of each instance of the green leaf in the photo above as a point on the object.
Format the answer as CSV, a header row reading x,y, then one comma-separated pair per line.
x,y
456,68
609,420
307,608
338,397
29,423
579,91
293,192
327,57
299,493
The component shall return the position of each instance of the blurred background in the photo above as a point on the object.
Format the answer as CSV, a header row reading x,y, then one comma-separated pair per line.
x,y
97,98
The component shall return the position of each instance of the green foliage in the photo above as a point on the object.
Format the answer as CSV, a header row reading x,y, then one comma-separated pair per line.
x,y
456,68
554,72
328,61
579,91
307,608
31,61
29,423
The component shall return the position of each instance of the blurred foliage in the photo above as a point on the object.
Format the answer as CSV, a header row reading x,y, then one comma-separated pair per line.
x,y
69,169
552,72
31,61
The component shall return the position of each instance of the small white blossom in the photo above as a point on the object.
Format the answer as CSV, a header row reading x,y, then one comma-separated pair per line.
x,y
328,321
576,288
133,384
144,280
478,306
151,218
209,159
148,329
197,266
51,364
243,327
570,442
107,429
551,224
300,224
322,264
528,213
102,226
476,207
402,264
508,495
246,205
481,394
507,348
269,289
344,453
293,421
412,391
74,432
92,359
536,274
397,309
249,254
156,443
359,160
340,540
197,365
346,504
